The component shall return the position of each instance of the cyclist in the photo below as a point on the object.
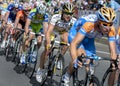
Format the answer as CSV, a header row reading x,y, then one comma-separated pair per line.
x,y
21,18
37,21
10,16
84,31
60,23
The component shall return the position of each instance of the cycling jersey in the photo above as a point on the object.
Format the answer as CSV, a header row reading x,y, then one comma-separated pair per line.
x,y
60,25
22,17
36,23
86,26
13,12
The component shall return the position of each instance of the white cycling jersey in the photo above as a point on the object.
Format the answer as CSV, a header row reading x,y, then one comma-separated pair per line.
x,y
60,25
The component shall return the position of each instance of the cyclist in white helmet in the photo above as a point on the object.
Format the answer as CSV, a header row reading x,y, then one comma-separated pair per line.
x,y
37,21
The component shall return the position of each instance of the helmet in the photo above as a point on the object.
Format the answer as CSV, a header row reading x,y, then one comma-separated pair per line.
x,y
68,8
106,14
41,8
16,4
26,6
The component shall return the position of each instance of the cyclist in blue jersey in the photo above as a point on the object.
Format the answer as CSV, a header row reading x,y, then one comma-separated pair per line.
x,y
9,19
82,34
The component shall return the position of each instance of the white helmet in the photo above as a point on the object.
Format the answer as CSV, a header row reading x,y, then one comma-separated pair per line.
x,y
41,8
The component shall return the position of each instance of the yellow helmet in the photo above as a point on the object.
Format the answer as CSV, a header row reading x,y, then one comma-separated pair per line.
x,y
68,8
106,14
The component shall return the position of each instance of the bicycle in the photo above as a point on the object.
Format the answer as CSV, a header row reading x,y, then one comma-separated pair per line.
x,y
90,78
17,47
109,70
9,44
53,59
32,55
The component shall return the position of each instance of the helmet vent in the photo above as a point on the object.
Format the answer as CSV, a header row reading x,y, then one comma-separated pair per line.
x,y
106,17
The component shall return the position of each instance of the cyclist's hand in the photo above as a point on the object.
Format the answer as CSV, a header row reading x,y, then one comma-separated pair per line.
x,y
114,65
48,48
77,62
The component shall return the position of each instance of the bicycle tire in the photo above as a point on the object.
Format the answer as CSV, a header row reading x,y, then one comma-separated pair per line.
x,y
53,67
75,78
17,53
64,71
95,81
30,69
105,76
118,82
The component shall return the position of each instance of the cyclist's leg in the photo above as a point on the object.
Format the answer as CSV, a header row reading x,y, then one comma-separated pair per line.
x,y
6,35
25,47
64,38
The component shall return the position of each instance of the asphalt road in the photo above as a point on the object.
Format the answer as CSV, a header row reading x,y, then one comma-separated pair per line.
x,y
9,77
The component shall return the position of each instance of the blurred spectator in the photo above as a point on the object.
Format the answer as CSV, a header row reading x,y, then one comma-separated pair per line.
x,y
113,4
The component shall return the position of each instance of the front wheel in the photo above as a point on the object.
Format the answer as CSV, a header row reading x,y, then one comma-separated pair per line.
x,y
57,66
118,83
94,81
31,62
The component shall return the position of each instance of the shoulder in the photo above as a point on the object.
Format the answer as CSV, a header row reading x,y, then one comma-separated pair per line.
x,y
33,10
56,16
90,17
10,7
31,14
88,26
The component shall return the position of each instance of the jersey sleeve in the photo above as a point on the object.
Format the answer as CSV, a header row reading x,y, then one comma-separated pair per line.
x,y
19,14
86,28
31,14
54,19
46,18
10,7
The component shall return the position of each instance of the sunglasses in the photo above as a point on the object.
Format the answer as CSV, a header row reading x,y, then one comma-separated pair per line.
x,y
67,13
106,24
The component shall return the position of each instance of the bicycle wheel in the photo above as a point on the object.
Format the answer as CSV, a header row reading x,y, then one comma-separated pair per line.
x,y
93,81
105,76
17,51
75,78
57,71
64,71
118,82
32,61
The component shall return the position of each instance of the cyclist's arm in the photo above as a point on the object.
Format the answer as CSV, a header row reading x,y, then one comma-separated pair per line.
x,y
48,33
27,26
6,17
45,27
112,47
112,44
73,46
16,21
